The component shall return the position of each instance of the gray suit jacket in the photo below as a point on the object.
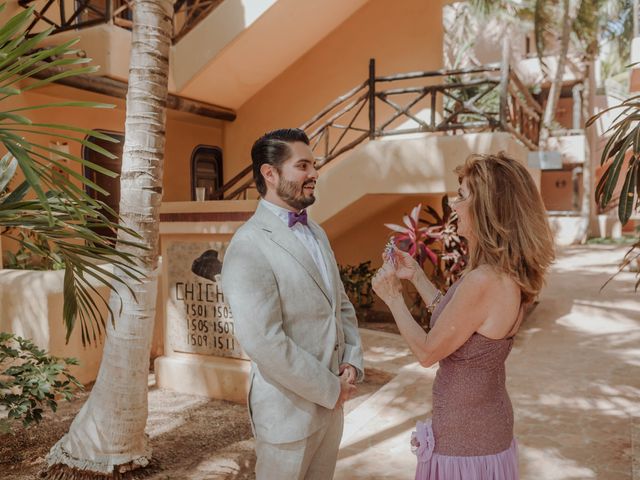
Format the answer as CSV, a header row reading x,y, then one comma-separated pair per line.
x,y
295,331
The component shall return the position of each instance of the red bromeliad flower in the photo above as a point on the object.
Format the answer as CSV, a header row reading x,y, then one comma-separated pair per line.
x,y
414,239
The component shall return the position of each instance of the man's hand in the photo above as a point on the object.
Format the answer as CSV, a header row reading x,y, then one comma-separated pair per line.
x,y
350,371
347,390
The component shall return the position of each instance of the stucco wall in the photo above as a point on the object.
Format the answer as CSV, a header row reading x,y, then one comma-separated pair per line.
x,y
407,37
31,307
385,178
184,131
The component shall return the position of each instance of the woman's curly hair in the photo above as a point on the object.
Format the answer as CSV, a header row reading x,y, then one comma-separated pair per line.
x,y
509,221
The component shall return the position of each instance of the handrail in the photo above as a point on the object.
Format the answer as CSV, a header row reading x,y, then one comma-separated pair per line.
x,y
333,104
438,73
487,98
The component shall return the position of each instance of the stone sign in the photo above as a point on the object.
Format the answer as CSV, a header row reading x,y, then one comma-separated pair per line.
x,y
198,318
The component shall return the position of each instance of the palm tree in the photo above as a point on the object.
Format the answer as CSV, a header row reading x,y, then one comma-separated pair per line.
x,y
50,213
585,24
107,436
545,12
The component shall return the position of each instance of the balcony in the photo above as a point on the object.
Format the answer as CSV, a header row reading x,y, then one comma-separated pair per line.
x,y
88,13
571,144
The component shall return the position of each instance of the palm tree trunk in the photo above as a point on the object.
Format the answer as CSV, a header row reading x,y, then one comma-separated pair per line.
x,y
107,437
587,202
556,83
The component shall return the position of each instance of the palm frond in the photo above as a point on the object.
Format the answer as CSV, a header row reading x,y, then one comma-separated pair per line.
x,y
8,166
544,23
51,214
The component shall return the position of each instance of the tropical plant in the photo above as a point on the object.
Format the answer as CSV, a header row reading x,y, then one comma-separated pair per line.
x,y
25,259
414,239
107,438
438,242
453,251
31,381
49,213
621,155
357,283
622,149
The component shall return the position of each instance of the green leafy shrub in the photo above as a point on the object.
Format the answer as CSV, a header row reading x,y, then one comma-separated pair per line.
x,y
31,381
357,283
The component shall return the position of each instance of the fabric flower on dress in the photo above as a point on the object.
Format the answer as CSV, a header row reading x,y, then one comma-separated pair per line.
x,y
422,441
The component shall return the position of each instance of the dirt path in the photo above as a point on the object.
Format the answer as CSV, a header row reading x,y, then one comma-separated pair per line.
x,y
193,437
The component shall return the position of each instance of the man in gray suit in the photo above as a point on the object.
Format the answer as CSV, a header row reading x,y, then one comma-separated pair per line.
x,y
292,317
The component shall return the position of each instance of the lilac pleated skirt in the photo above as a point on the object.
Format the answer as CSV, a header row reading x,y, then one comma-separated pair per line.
x,y
433,466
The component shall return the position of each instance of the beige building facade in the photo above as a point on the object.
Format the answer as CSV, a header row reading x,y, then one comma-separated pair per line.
x,y
255,65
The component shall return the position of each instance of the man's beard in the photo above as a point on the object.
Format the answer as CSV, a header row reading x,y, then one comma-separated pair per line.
x,y
293,194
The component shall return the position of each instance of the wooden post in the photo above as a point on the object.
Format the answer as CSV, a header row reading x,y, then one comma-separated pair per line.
x,y
433,108
372,98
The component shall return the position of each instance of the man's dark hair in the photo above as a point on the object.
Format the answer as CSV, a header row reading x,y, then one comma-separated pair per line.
x,y
273,148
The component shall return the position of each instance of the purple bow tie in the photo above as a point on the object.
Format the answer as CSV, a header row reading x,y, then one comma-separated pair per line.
x,y
297,217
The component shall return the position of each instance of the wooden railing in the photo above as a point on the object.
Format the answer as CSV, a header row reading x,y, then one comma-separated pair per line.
x,y
87,13
448,102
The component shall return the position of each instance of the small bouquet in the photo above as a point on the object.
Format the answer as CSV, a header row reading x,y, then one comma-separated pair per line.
x,y
389,253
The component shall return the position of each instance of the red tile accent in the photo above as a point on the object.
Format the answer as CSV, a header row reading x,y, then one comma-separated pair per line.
x,y
206,217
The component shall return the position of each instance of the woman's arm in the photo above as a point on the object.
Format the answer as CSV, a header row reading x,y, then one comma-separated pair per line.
x,y
388,287
407,268
463,315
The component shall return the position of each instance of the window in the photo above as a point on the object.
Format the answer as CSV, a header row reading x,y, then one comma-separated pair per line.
x,y
111,185
206,170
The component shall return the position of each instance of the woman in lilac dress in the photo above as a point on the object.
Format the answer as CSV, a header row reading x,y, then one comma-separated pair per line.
x,y
502,217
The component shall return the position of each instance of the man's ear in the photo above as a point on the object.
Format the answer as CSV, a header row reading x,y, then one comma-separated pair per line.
x,y
269,173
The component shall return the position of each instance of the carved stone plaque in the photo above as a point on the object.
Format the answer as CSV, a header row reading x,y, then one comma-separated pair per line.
x,y
198,318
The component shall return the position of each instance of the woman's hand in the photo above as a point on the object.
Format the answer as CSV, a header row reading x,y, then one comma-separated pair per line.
x,y
386,284
406,266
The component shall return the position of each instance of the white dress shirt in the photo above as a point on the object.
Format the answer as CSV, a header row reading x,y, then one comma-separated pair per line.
x,y
306,236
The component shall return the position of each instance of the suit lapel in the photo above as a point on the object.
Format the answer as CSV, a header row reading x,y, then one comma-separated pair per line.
x,y
282,236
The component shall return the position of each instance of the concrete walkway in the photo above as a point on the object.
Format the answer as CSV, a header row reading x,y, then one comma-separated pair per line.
x,y
573,377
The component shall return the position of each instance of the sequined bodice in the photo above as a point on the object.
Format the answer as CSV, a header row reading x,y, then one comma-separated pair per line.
x,y
472,413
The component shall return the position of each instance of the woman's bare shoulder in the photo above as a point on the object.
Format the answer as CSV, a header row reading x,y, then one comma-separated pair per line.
x,y
487,278
501,296
491,277
488,285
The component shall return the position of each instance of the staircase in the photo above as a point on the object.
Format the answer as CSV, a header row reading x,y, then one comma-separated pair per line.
x,y
486,99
